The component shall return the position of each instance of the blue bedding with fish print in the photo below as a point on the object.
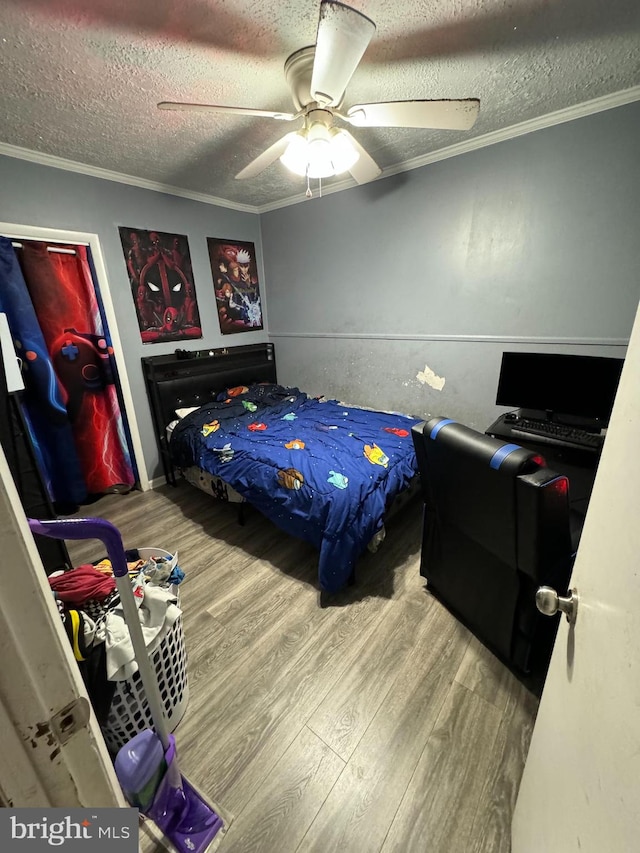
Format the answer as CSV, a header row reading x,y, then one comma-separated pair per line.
x,y
321,471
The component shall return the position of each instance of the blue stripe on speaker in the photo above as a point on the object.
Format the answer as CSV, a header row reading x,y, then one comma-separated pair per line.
x,y
500,455
439,426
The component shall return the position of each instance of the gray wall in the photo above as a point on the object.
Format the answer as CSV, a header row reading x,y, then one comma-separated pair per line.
x,y
530,244
31,194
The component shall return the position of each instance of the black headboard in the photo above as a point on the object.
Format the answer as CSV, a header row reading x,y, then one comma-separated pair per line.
x,y
174,382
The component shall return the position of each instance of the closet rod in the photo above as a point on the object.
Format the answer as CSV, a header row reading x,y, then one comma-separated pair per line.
x,y
49,249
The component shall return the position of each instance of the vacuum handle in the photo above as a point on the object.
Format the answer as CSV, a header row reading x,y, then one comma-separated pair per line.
x,y
86,528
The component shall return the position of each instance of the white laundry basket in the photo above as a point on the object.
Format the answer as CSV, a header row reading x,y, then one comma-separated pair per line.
x,y
129,713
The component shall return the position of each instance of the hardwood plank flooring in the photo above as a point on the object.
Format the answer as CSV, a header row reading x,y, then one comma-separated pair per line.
x,y
492,825
434,813
289,799
345,714
483,673
361,807
376,723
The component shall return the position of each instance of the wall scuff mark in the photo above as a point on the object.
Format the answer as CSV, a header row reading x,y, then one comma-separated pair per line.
x,y
428,377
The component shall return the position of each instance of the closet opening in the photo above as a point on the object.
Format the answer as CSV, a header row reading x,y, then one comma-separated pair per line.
x,y
75,406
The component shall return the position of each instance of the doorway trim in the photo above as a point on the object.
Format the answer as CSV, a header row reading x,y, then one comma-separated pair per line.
x,y
81,238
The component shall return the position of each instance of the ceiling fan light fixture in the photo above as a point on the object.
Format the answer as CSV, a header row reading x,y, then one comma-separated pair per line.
x,y
343,154
296,157
320,163
319,152
309,154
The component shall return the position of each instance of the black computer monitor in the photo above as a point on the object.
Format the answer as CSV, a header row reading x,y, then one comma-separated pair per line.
x,y
580,386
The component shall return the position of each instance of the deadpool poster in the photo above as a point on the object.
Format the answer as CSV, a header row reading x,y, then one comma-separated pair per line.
x,y
161,278
235,280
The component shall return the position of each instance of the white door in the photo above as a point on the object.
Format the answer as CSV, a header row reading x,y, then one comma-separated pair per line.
x,y
581,784
52,751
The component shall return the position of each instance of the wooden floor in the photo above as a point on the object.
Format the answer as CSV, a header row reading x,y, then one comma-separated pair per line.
x,y
375,724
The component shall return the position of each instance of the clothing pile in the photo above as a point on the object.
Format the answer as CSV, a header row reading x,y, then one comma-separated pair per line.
x,y
92,613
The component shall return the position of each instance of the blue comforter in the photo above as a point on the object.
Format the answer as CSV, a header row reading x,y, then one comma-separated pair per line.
x,y
321,471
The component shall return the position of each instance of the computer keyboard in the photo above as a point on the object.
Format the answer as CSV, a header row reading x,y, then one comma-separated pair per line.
x,y
559,432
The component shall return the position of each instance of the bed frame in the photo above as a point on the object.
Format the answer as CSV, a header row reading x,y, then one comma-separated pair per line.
x,y
193,377
176,381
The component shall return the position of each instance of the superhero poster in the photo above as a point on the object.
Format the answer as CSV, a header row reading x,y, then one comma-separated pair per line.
x,y
161,278
235,281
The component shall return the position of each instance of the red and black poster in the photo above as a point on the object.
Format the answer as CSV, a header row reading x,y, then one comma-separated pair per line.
x,y
235,280
161,278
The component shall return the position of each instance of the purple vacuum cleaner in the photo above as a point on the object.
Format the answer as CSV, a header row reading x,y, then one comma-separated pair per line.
x,y
147,766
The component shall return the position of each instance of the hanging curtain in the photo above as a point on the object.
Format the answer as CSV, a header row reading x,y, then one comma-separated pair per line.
x,y
64,299
113,390
44,407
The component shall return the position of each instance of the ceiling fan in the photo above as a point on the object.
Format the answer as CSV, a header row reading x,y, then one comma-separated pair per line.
x,y
318,77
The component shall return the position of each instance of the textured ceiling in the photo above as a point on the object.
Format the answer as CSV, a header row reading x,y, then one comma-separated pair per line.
x,y
81,78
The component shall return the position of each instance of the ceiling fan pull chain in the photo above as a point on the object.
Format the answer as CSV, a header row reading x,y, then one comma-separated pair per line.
x,y
320,187
308,193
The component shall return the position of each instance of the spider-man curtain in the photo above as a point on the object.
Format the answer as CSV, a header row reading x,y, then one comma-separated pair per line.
x,y
60,289
65,303
44,408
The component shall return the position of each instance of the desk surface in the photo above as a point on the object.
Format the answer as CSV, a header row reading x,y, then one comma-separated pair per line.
x,y
579,465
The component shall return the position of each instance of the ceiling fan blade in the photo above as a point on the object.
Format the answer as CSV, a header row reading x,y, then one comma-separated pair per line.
x,y
216,108
365,168
445,115
343,36
266,158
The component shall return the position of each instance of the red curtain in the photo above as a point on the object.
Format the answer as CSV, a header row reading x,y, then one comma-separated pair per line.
x,y
63,295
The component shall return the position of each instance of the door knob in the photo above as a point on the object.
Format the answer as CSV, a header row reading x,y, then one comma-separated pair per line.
x,y
549,602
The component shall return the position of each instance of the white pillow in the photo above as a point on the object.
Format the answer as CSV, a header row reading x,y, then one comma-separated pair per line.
x,y
169,429
182,413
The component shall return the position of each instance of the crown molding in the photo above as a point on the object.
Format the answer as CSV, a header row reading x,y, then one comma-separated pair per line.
x,y
597,105
55,162
606,102
476,339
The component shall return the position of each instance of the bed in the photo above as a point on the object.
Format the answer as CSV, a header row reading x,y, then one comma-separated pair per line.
x,y
322,471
